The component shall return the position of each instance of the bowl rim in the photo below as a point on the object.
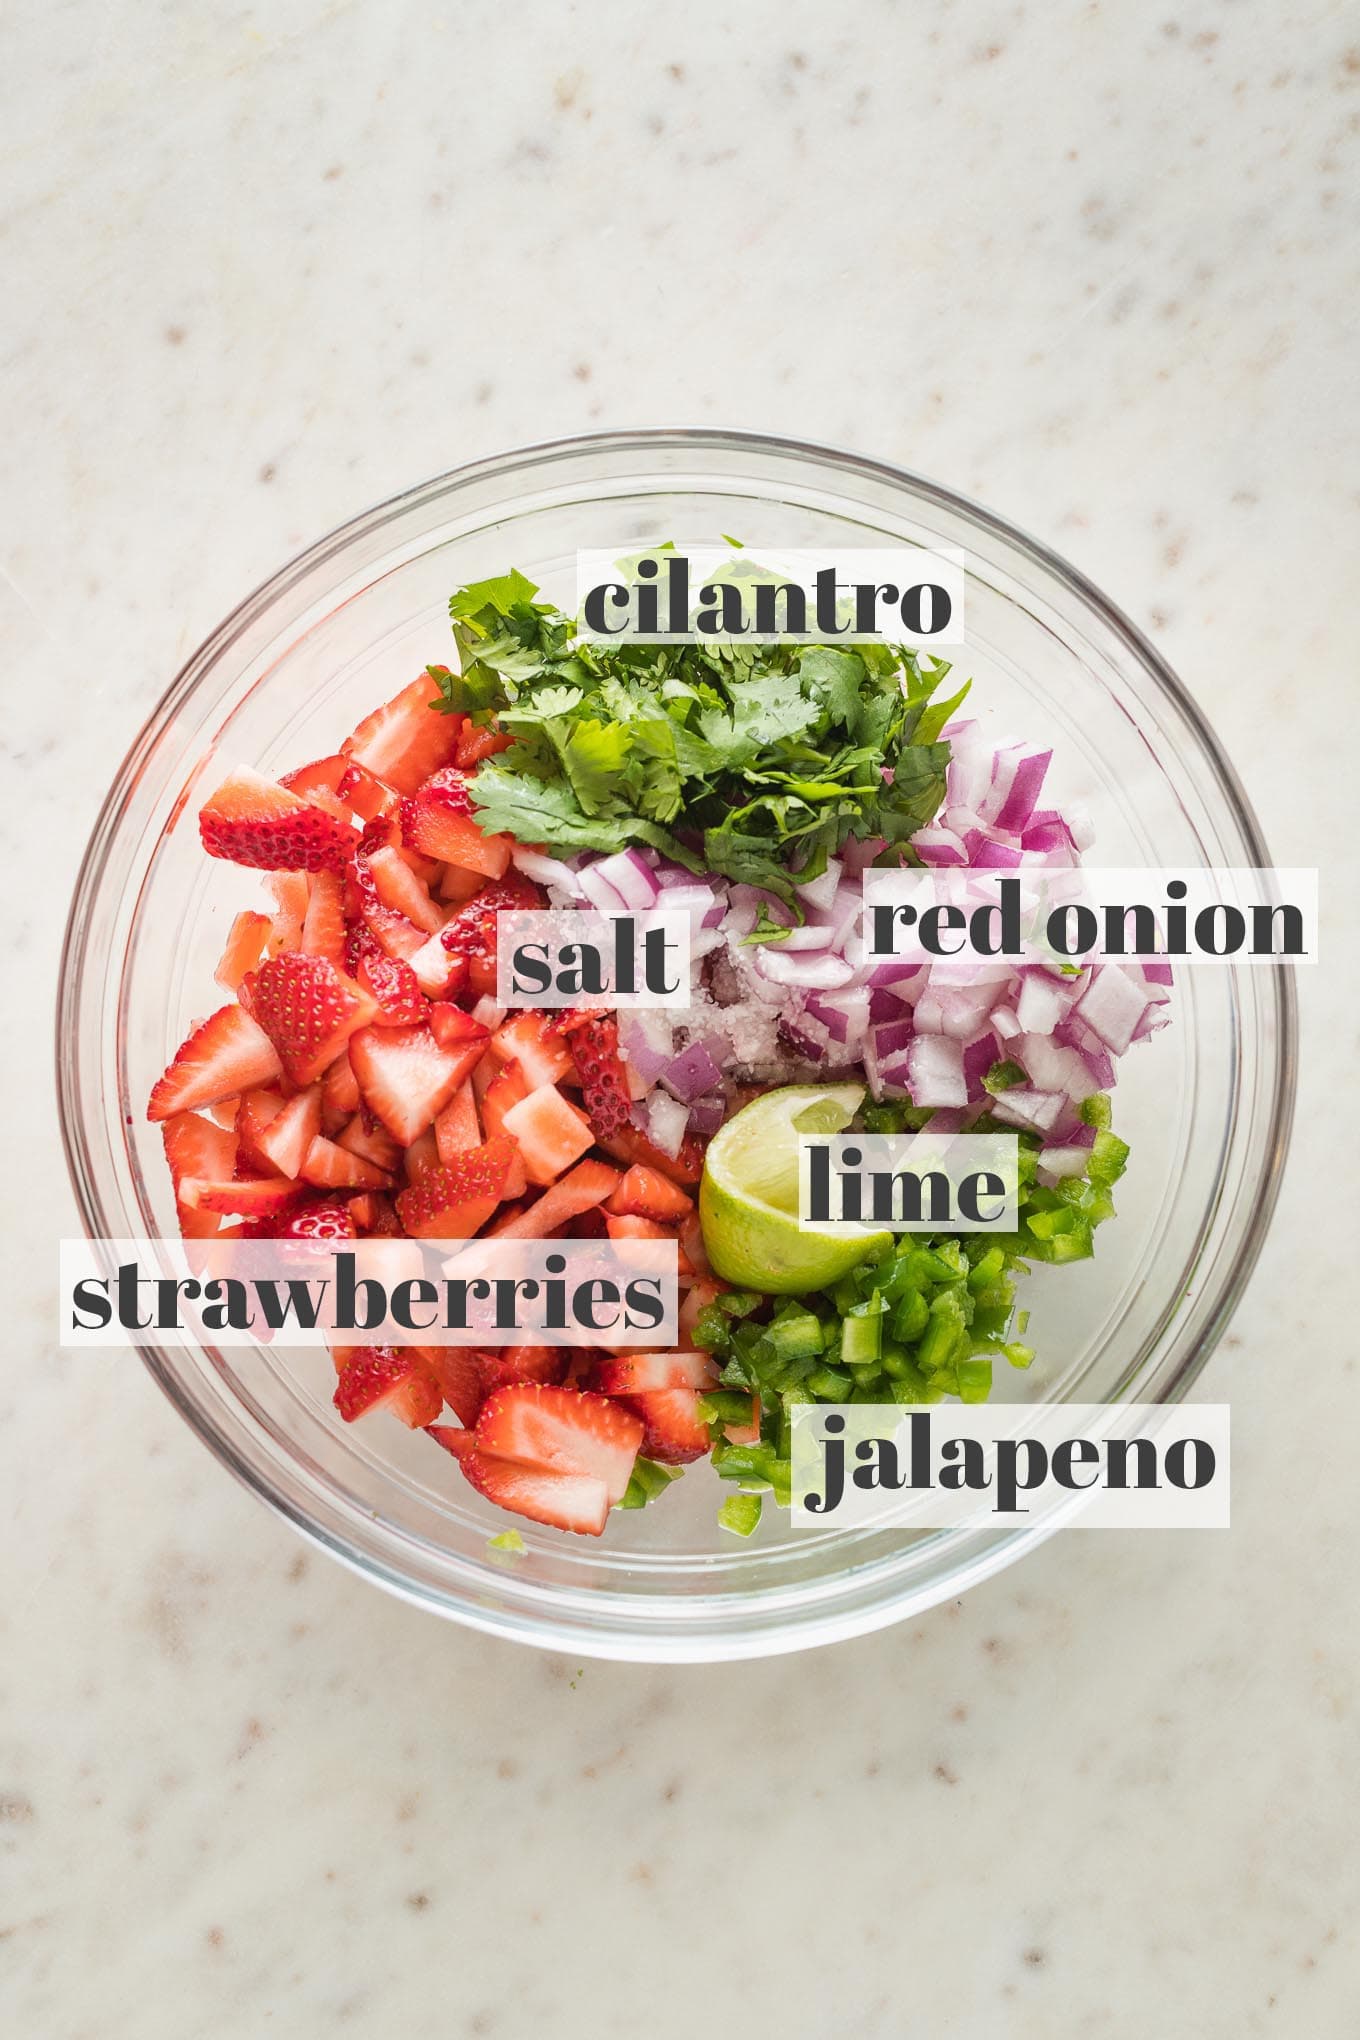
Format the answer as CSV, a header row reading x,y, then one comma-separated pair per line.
x,y
815,1626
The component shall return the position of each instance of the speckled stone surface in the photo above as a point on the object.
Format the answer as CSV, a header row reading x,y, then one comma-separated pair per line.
x,y
1093,264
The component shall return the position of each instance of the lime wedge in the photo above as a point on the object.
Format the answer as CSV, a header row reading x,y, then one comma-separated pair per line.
x,y
748,1200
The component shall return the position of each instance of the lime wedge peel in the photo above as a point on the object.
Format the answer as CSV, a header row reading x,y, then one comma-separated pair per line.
x,y
748,1200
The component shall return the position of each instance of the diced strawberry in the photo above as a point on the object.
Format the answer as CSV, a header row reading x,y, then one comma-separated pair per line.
x,y
388,1378
254,1111
451,1026
476,743
339,1088
646,1373
323,924
651,1195
438,820
439,975
563,1430
455,1439
456,1371
511,1366
700,1294
458,885
457,1127
194,1147
564,1501
364,794
629,1225
400,891
629,1145
251,1198
287,1135
406,1077
594,1048
376,1215
371,1142
253,820
588,1183
528,1039
549,1132
328,1167
500,1094
309,1010
323,775
693,1253
674,1432
244,948
421,1156
291,893
401,1003
229,1052
454,1199
472,933
406,739
324,1218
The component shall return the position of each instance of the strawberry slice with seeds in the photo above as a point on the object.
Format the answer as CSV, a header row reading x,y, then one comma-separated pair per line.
x,y
406,1077
549,1132
438,821
673,1430
252,1198
563,1501
364,794
406,739
195,1147
244,947
512,1366
645,1373
562,1430
229,1052
287,1134
470,937
646,1193
458,1377
630,1145
452,1027
391,982
309,1010
452,1200
253,820
328,1167
325,1218
594,1048
476,743
323,924
388,1378
589,1183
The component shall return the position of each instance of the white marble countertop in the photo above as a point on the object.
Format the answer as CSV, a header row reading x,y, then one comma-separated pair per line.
x,y
1093,264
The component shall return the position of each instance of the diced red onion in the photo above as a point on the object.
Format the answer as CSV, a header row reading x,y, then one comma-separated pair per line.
x,y
820,892
631,877
935,1070
688,1075
706,1115
546,870
1037,1110
1027,779
1111,1006
667,1120
595,887
822,972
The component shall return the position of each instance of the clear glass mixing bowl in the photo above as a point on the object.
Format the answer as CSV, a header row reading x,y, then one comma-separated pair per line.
x,y
1206,1104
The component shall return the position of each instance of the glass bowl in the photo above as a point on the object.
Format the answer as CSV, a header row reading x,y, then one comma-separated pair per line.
x,y
1206,1104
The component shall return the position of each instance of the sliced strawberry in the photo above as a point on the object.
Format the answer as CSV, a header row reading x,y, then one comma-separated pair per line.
x,y
393,984
254,1111
406,1077
644,1373
504,1091
371,1142
388,1378
244,948
253,820
287,1134
476,743
470,937
674,1432
401,892
700,1294
291,892
589,1183
323,924
529,1040
339,1088
229,1052
251,1198
629,1225
364,794
408,738
457,1127
564,1501
629,1145
549,1132
328,1167
650,1195
451,1026
512,1366
594,1048
324,1218
195,1147
564,1430
458,885
453,1200
421,1156
456,1371
309,1010
376,1215
438,821
457,1440
693,1254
